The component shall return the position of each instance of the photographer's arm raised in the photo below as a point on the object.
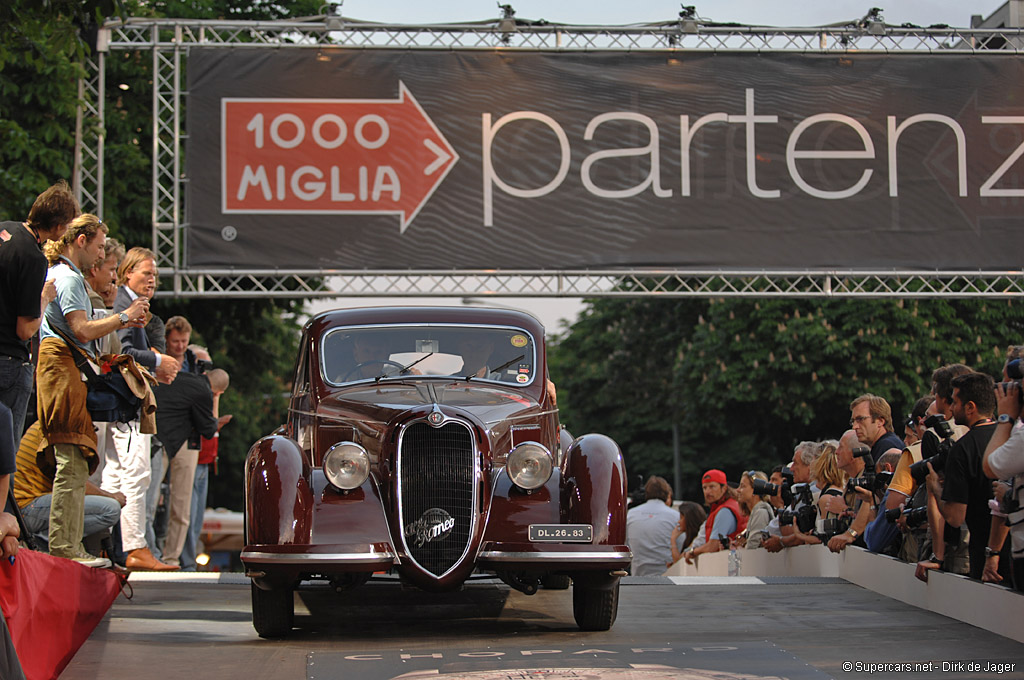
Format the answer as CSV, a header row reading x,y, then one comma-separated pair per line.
x,y
1008,402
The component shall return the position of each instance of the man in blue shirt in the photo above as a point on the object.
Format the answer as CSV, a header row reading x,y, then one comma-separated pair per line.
x,y
61,394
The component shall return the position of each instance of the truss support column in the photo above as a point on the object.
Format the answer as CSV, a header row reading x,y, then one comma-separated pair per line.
x,y
166,216
155,42
87,175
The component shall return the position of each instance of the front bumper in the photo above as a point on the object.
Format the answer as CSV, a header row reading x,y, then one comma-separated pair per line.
x,y
553,556
344,557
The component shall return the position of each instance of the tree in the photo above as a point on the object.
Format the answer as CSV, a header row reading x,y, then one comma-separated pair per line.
x,y
747,379
614,371
41,52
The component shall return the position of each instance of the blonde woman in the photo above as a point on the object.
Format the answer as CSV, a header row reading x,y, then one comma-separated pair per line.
x,y
830,480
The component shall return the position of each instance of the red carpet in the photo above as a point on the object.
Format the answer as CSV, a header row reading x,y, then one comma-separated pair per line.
x,y
52,606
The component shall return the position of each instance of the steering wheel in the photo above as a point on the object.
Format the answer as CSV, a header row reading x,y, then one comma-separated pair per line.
x,y
382,362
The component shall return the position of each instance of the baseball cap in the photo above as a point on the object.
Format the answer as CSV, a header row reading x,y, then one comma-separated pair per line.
x,y
713,476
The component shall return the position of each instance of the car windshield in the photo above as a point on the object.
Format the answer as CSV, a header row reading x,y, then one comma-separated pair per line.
x,y
485,353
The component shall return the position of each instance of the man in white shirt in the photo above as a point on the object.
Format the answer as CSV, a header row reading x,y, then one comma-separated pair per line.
x,y
649,529
1004,458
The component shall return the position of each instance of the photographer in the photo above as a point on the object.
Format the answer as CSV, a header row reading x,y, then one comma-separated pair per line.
x,y
882,534
1004,458
799,493
871,419
908,483
963,497
831,513
853,465
914,428
724,521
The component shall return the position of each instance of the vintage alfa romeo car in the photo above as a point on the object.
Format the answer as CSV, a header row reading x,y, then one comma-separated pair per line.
x,y
425,442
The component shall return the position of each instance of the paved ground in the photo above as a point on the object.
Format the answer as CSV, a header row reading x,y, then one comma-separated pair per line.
x,y
804,628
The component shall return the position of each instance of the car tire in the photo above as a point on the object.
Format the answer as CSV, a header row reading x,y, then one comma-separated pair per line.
x,y
273,611
595,606
556,581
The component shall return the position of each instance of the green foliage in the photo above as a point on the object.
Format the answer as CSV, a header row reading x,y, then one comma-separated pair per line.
x,y
746,379
615,371
255,341
38,100
41,52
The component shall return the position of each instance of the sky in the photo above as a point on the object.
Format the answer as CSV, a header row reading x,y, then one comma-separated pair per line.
x,y
760,13
554,312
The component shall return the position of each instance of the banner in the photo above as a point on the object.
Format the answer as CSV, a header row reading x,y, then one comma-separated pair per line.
x,y
433,160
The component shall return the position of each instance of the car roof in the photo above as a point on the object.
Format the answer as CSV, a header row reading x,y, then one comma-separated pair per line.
x,y
358,316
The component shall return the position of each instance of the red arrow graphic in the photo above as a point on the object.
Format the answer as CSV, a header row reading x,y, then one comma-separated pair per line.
x,y
331,156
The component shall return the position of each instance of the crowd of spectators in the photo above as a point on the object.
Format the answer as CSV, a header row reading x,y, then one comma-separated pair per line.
x,y
72,297
944,496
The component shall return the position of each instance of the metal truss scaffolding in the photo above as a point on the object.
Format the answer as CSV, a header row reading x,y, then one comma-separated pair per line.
x,y
169,40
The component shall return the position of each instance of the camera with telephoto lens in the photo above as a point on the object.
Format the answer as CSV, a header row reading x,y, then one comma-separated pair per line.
x,y
202,366
763,488
832,526
803,517
875,482
867,478
1015,372
915,516
935,445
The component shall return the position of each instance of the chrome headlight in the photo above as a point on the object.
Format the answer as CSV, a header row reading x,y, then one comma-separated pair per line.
x,y
347,465
529,465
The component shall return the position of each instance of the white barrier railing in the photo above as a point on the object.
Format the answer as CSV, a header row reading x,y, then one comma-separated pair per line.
x,y
988,606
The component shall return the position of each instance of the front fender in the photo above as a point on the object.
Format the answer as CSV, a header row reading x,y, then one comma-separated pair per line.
x,y
278,495
596,487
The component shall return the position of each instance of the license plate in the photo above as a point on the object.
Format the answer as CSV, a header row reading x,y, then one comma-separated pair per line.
x,y
562,533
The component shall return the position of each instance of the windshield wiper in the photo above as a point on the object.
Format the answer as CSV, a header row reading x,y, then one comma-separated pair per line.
x,y
501,368
403,369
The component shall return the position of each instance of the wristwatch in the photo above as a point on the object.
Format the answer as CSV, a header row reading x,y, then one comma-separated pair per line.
x,y
1004,418
989,552
124,318
853,532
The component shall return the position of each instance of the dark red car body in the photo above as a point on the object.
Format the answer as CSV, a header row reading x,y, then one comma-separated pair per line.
x,y
438,504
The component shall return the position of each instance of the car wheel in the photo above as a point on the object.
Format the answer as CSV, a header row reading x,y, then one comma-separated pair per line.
x,y
594,606
556,581
273,611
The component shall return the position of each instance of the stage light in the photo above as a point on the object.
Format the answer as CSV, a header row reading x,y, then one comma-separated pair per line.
x,y
507,23
688,19
202,559
333,19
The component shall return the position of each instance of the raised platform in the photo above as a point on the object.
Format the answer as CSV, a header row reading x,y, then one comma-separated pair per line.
x,y
992,607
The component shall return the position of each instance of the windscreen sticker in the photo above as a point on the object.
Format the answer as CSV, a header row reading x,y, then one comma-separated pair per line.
x,y
518,340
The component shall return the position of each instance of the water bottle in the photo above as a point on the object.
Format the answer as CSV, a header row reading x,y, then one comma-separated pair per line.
x,y
735,561
734,565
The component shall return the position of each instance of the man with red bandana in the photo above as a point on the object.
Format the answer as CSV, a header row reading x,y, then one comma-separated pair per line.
x,y
724,517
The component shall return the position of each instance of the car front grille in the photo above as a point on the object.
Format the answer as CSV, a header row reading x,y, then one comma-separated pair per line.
x,y
437,479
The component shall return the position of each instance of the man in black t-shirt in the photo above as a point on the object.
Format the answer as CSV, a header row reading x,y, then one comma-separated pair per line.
x,y
871,419
966,491
24,294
